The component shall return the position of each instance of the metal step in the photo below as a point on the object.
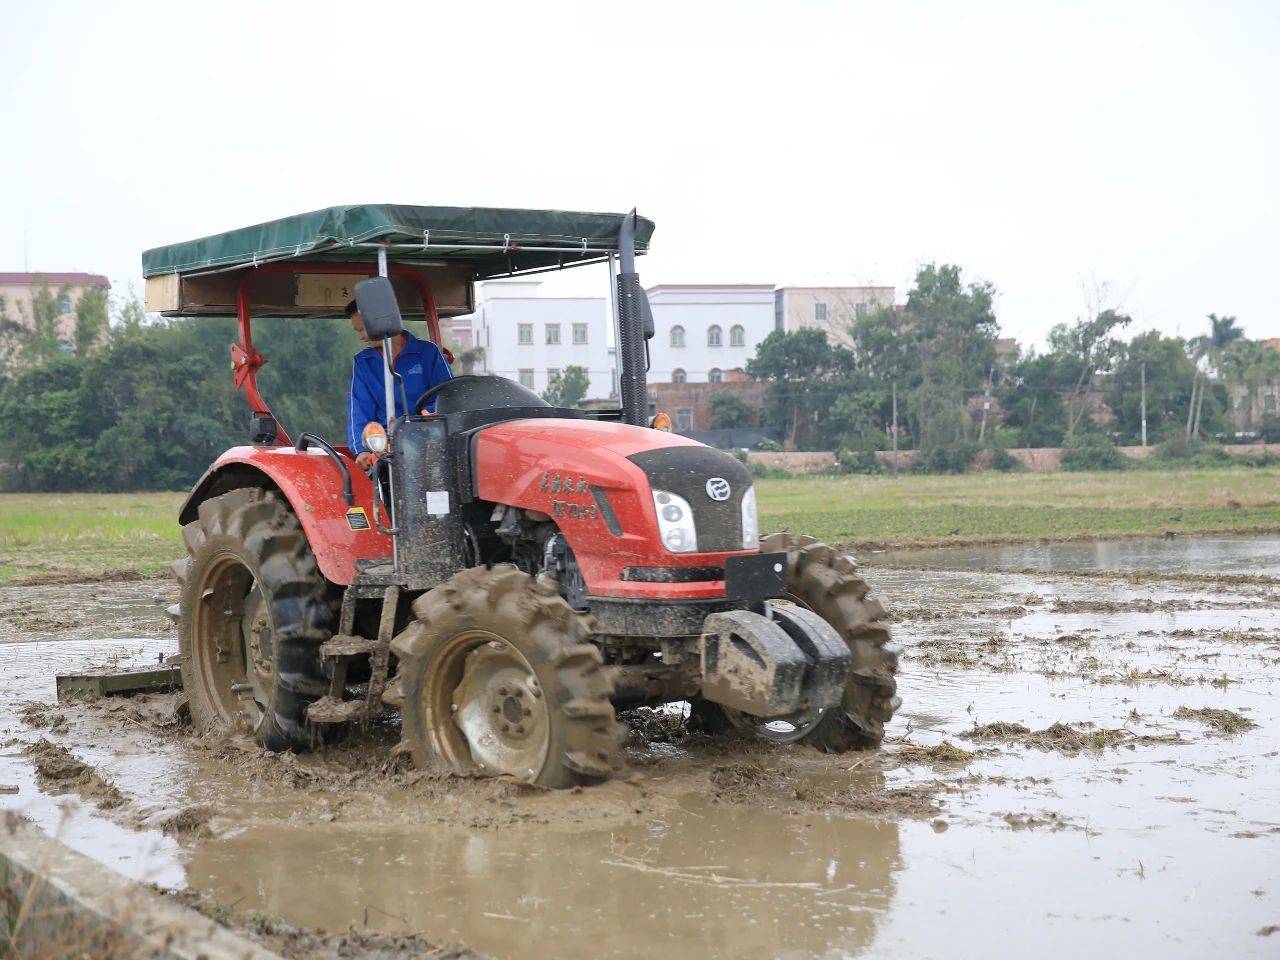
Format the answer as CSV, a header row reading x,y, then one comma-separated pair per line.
x,y
346,645
331,710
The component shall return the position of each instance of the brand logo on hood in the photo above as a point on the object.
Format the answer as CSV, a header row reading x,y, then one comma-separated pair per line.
x,y
718,488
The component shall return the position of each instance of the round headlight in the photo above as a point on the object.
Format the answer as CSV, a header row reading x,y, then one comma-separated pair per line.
x,y
676,528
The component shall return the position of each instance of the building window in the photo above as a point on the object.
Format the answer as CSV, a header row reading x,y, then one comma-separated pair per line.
x,y
819,311
677,336
860,310
526,378
524,333
716,375
1270,402
684,419
737,336
553,334
64,305
679,376
715,336
579,333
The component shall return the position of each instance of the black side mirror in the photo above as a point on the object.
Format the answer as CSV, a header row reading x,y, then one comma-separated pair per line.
x,y
376,301
646,315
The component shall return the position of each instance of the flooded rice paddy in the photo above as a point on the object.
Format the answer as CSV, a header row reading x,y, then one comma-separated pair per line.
x,y
1087,759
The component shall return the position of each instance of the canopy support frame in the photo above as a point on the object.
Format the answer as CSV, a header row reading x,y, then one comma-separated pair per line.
x,y
246,360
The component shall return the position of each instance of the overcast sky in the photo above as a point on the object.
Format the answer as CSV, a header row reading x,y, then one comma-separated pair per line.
x,y
1040,146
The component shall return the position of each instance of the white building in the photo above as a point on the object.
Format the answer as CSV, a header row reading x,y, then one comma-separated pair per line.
x,y
702,331
528,338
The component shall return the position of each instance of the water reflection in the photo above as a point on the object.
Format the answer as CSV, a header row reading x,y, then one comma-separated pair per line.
x,y
710,880
1257,556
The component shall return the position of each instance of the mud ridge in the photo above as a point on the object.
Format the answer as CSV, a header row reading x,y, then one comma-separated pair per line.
x,y
1065,737
1225,722
301,942
58,770
71,577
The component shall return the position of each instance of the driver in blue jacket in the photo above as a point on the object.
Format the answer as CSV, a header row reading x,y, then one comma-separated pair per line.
x,y
420,364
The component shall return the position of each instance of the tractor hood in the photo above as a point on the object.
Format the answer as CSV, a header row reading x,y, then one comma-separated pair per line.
x,y
596,480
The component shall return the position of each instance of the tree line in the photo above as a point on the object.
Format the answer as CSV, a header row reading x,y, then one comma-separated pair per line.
x,y
126,402
131,404
121,402
931,367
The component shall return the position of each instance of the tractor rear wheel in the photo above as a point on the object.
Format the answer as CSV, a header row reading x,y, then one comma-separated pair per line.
x,y
254,610
496,676
828,583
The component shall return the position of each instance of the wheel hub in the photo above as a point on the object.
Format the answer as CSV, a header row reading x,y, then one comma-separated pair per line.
x,y
259,659
498,706
788,729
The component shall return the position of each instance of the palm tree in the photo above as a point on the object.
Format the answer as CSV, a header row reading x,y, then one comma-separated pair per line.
x,y
1237,362
1223,332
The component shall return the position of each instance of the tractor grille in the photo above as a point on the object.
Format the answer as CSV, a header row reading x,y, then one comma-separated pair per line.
x,y
685,471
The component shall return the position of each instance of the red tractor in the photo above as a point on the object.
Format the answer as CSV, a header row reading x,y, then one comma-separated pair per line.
x,y
512,573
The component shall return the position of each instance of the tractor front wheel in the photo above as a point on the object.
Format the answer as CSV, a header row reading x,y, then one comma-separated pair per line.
x,y
254,610
821,580
497,677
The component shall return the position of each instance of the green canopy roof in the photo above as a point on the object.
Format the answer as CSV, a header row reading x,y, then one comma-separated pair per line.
x,y
497,241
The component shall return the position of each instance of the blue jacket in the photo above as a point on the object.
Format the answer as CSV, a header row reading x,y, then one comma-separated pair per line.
x,y
420,364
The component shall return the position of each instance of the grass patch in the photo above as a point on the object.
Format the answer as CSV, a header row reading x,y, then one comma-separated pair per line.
x,y
87,534
1003,508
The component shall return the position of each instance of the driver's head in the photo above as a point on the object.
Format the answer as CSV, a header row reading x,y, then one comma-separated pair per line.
x,y
357,324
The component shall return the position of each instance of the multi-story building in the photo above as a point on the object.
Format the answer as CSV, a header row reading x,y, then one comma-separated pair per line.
x,y
829,309
704,331
17,291
528,338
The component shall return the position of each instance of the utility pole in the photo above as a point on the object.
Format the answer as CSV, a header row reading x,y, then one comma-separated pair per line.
x,y
1195,428
895,428
1144,403
1191,407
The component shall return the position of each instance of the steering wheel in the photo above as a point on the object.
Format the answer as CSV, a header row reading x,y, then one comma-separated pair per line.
x,y
429,393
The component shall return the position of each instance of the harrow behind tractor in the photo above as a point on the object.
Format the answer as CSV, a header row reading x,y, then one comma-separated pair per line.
x,y
512,573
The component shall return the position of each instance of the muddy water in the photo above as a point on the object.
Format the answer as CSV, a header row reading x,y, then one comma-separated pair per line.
x,y
1168,842
1194,555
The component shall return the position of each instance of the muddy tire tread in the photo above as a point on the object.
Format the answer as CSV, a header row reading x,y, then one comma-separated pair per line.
x,y
829,583
271,541
586,738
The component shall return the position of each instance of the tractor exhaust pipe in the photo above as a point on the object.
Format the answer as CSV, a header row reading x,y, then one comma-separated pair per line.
x,y
635,328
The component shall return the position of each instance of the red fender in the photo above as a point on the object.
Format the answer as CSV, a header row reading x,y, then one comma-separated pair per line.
x,y
511,459
312,484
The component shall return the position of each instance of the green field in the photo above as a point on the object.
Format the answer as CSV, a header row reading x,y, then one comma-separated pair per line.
x,y
94,534
88,533
1001,507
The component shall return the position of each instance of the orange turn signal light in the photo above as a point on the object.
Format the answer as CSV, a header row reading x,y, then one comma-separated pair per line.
x,y
375,436
662,422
